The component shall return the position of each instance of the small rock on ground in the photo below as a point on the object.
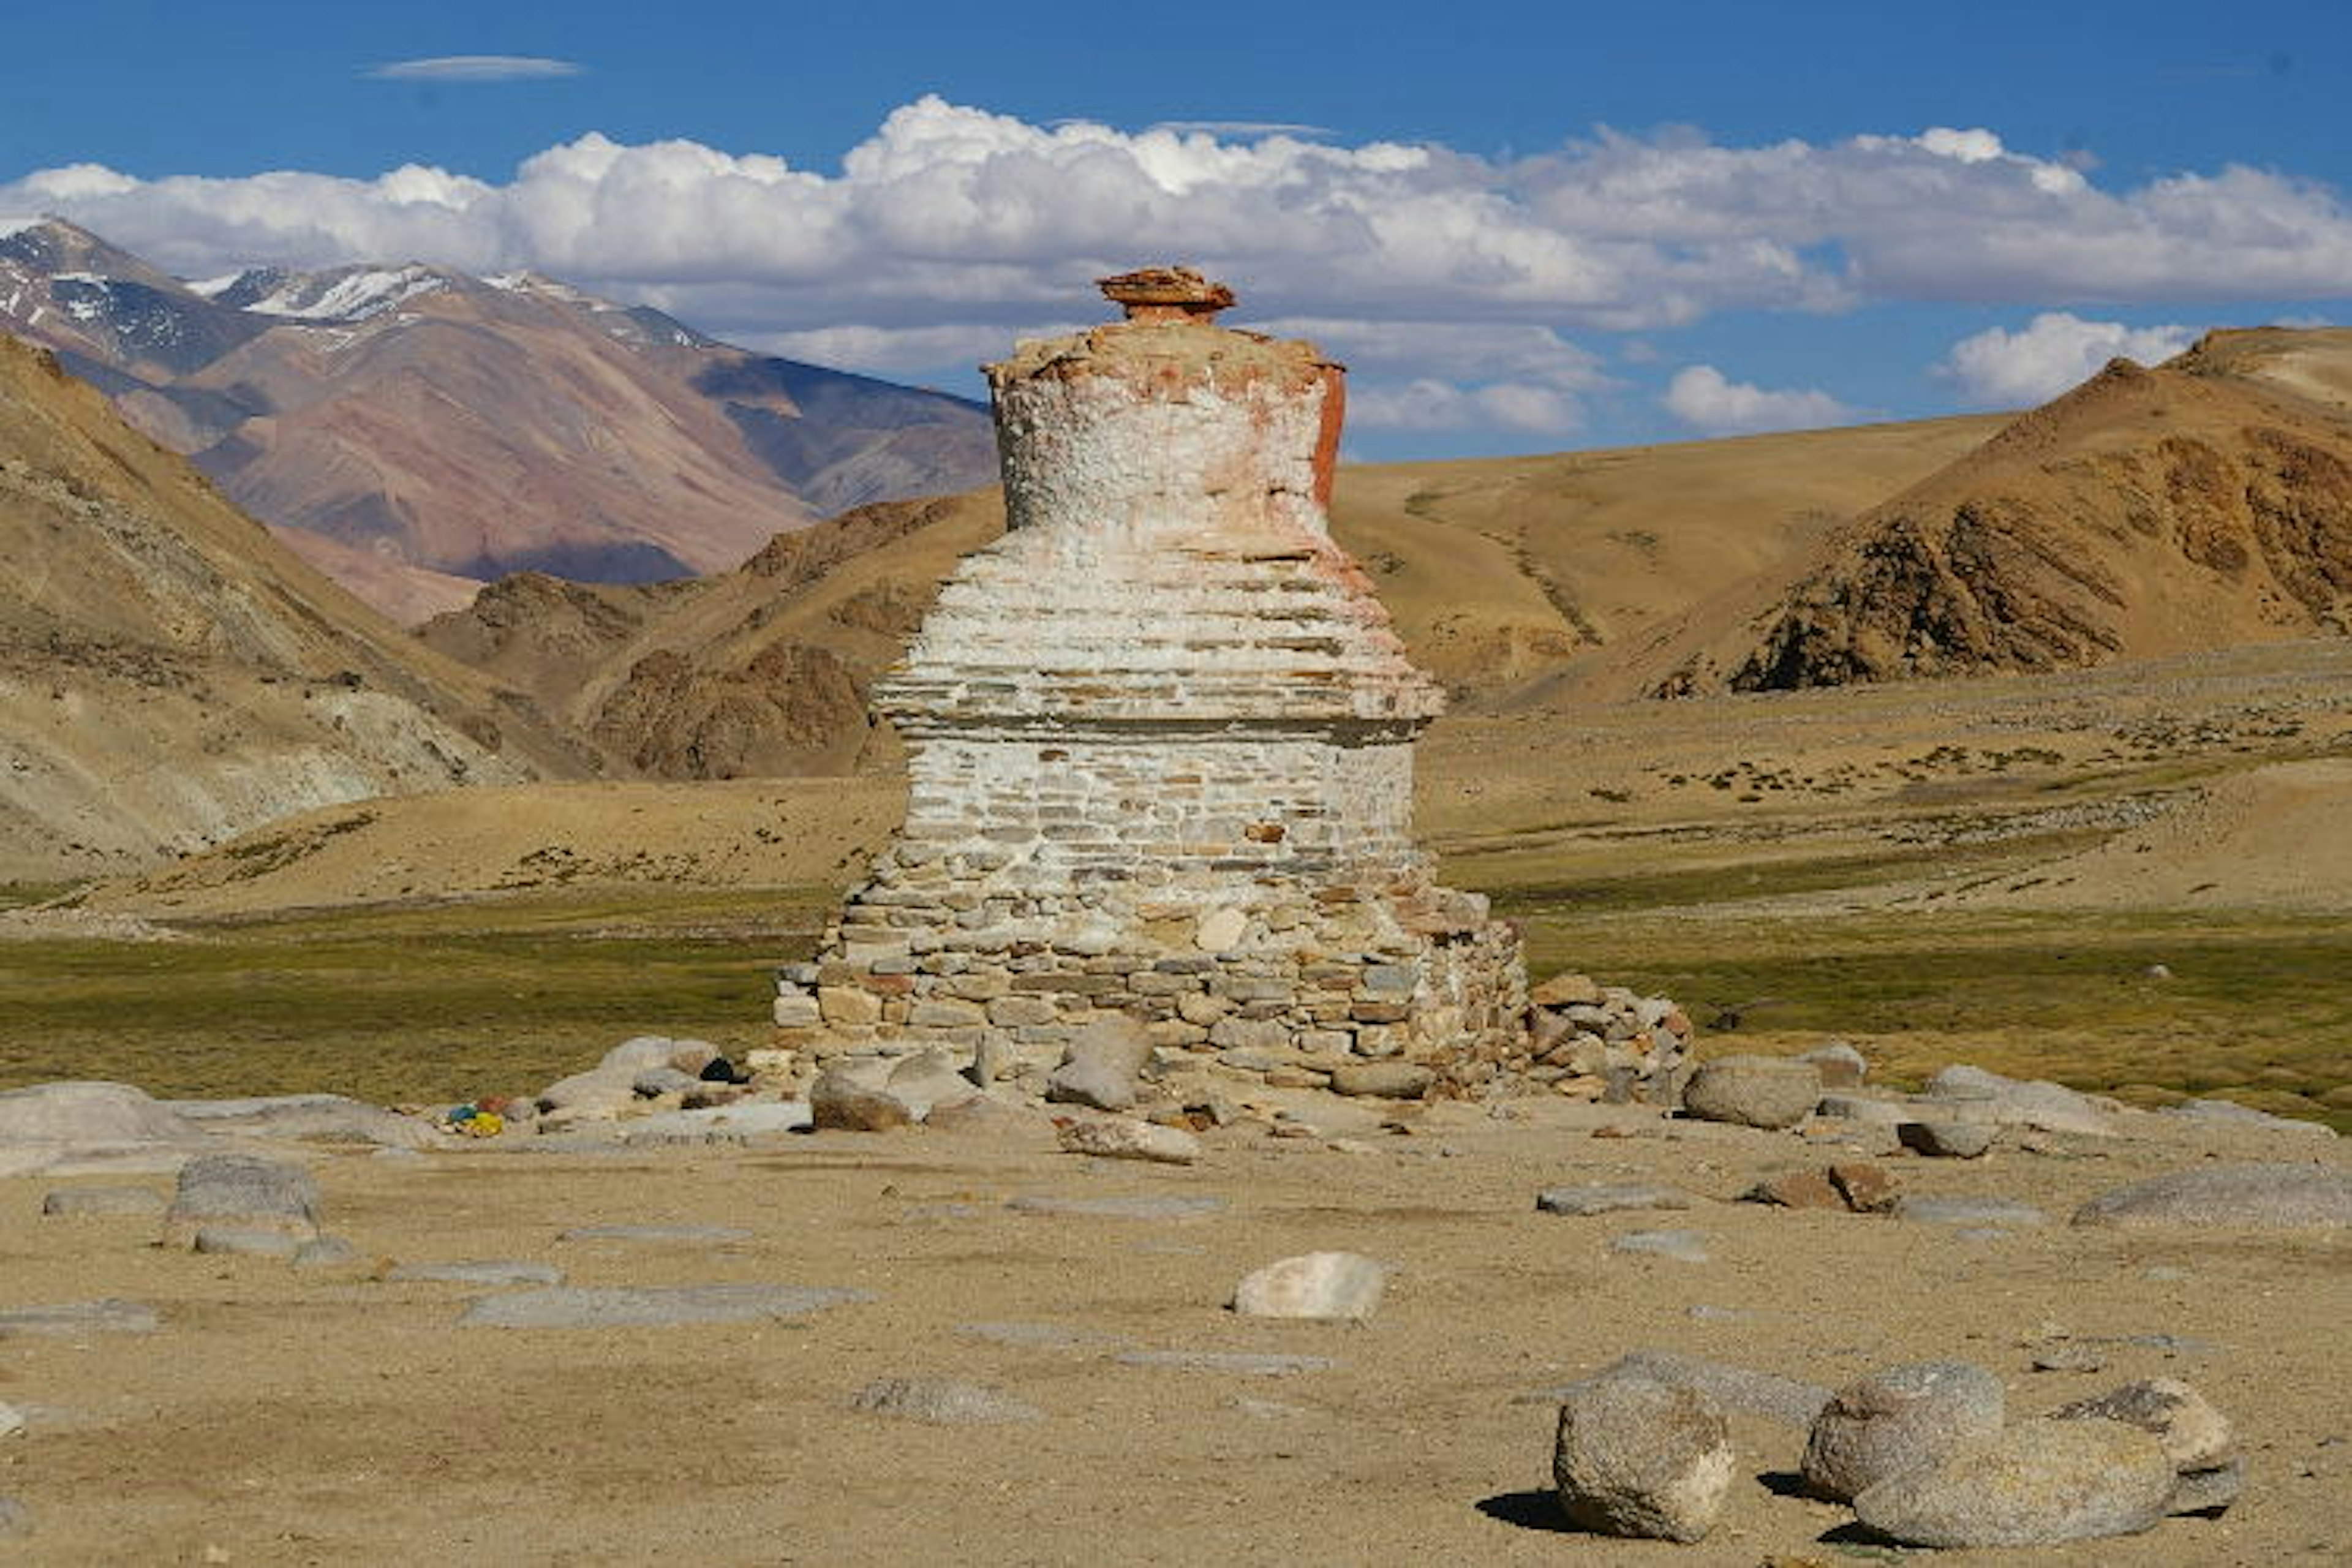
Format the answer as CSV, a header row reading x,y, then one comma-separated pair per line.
x,y
688,1235
1610,1197
12,1420
2193,1435
111,1315
324,1252
1116,1138
480,1271
943,1402
1325,1285
1100,1066
2038,1483
1968,1211
1680,1245
15,1520
840,1103
1248,1363
628,1307
240,1241
81,1203
1143,1206
1948,1140
1636,1457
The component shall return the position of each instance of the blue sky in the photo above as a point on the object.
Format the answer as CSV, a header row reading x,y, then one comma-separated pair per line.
x,y
1526,227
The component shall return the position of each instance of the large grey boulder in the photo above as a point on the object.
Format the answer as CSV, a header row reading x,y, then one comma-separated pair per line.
x,y
1330,1285
1100,1066
2274,1196
1636,1457
2038,1483
1753,1091
1902,1419
243,1196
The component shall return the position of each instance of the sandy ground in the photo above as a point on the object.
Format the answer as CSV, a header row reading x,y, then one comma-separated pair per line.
x,y
289,1416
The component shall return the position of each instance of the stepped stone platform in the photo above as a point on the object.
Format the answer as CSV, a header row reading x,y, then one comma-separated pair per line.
x,y
1161,746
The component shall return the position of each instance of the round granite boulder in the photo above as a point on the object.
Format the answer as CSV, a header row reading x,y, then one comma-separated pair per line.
x,y
1754,1091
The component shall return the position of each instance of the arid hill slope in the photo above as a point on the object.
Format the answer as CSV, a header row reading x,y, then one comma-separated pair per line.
x,y
1497,571
2203,504
478,426
171,677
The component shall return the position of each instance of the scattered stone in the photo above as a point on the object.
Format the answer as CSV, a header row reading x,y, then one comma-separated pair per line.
x,y
1117,1137
686,1234
1727,1387
484,1271
107,1316
1680,1245
1838,1065
324,1252
1153,1206
1866,1189
15,1519
943,1402
12,1420
2275,1196
2006,1212
1610,1197
1383,1081
240,1241
1948,1140
1753,1091
2193,1435
1796,1190
1898,1420
985,1114
83,1203
245,1195
2228,1113
2070,1358
1040,1336
2050,1106
1249,1363
840,1103
927,1081
2208,1492
1099,1068
1326,1285
631,1307
323,1118
1870,1109
2037,1484
1636,1457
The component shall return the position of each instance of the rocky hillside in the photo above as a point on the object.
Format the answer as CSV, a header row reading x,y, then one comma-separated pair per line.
x,y
420,418
2205,503
758,671
171,677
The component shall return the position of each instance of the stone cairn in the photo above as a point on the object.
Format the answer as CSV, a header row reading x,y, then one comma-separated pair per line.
x,y
1160,750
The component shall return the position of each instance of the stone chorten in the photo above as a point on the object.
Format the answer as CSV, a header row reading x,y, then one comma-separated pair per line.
x,y
1161,745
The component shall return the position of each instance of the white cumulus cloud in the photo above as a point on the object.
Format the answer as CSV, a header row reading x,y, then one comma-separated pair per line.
x,y
1704,398
475,67
1459,286
2056,351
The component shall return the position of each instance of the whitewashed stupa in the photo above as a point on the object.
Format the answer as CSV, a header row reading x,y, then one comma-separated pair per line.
x,y
1160,744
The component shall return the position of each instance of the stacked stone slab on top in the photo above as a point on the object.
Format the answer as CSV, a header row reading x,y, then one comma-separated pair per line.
x,y
1160,743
